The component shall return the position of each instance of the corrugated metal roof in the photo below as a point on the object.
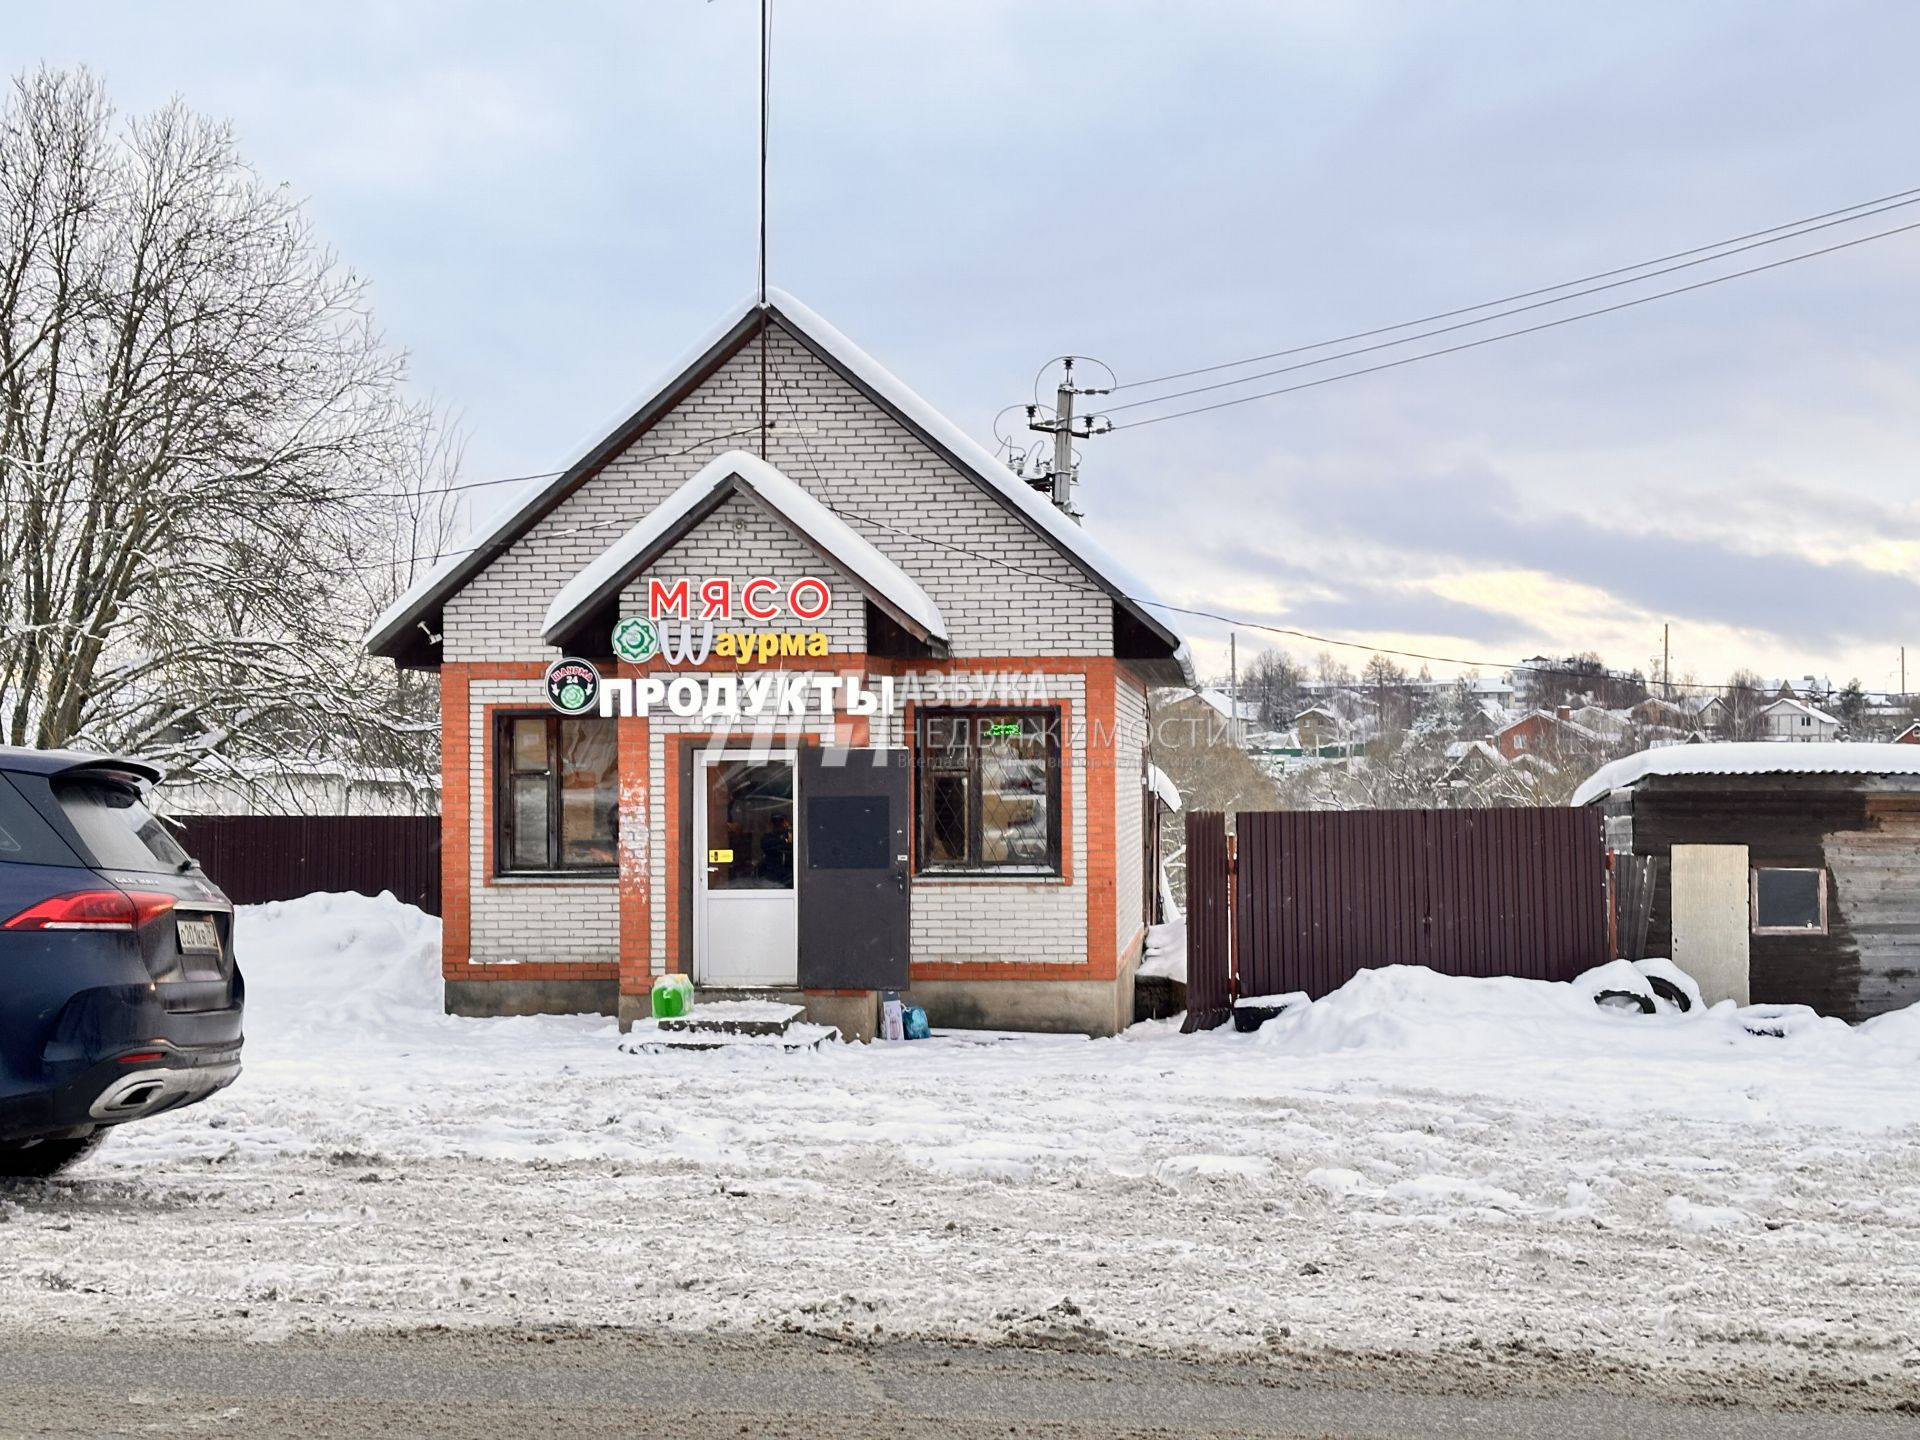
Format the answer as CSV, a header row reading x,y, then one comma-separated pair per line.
x,y
1752,757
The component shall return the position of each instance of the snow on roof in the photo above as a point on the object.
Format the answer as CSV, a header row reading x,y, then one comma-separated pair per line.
x,y
505,518
1751,757
1461,749
980,460
1162,787
832,535
1217,699
1789,703
1552,718
888,387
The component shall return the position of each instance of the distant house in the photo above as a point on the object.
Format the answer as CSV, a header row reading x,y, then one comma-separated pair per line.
x,y
1909,736
1471,761
1791,719
1543,733
1611,723
1238,717
1773,873
1317,727
1709,712
1814,689
1654,713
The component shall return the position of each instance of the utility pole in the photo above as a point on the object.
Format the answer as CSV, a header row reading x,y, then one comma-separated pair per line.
x,y
1061,480
1666,662
1903,672
1233,687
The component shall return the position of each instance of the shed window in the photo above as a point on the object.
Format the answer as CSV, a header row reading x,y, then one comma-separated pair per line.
x,y
989,790
558,795
1789,902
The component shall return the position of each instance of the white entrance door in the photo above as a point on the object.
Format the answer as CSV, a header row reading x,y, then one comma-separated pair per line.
x,y
745,916
1709,889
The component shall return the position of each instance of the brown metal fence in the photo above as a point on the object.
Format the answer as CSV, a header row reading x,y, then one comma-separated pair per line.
x,y
1209,921
1317,896
255,858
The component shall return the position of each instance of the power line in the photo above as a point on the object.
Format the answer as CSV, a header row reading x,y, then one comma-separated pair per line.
x,y
1899,195
453,489
1512,334
1240,622
1489,319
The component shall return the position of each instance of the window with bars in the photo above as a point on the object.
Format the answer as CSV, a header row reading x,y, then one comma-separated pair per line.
x,y
989,790
557,806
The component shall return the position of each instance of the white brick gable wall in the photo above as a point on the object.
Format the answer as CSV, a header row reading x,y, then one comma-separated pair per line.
x,y
742,539
1026,599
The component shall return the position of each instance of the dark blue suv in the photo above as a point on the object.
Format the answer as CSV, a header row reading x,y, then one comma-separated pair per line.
x,y
119,996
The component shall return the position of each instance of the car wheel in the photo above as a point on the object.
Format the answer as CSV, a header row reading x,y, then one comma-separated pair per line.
x,y
37,1159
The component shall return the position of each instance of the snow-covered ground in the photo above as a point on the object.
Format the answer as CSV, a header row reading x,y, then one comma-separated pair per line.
x,y
1471,1172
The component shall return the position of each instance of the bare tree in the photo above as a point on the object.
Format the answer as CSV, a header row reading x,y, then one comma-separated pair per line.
x,y
1742,702
1272,680
200,438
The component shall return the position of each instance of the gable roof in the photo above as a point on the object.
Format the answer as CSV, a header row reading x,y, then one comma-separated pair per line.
x,y
738,473
1551,719
1788,703
402,631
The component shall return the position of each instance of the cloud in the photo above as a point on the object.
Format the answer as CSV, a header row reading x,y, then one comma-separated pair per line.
x,y
1478,520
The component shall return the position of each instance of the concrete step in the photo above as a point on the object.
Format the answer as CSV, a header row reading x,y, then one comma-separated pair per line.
x,y
651,1037
736,1017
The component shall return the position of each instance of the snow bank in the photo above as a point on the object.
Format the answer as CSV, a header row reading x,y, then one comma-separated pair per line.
x,y
1414,1011
1166,951
337,962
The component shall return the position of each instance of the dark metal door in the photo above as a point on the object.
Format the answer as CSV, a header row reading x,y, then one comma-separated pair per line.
x,y
853,868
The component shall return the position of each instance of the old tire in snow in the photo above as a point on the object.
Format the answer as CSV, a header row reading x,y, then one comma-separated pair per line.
x,y
1671,984
1616,985
37,1159
1630,1000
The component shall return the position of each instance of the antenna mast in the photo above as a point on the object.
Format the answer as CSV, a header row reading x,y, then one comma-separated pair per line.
x,y
766,48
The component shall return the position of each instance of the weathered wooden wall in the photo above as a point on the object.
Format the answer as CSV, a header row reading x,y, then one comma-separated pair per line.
x,y
1868,962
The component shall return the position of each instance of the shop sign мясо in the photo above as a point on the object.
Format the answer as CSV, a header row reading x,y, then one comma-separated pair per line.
x,y
638,639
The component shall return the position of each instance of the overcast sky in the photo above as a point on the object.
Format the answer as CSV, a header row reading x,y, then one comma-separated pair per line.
x,y
555,200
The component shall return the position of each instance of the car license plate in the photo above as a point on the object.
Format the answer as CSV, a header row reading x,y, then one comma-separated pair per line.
x,y
198,934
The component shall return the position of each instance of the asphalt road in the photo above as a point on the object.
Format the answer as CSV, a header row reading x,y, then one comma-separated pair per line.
x,y
615,1383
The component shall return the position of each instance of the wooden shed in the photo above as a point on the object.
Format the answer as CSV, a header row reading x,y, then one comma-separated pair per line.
x,y
1776,873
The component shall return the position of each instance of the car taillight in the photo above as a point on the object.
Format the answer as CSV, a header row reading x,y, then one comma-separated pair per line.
x,y
93,910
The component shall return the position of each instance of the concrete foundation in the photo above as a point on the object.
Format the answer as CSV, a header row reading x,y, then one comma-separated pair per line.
x,y
857,1017
1083,1007
1069,1007
532,997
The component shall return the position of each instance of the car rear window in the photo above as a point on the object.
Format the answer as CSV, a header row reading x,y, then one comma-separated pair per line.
x,y
121,833
25,838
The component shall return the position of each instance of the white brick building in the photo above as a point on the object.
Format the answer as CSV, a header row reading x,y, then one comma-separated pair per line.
x,y
978,843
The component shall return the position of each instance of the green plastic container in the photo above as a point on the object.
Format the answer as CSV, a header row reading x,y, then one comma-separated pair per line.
x,y
672,996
